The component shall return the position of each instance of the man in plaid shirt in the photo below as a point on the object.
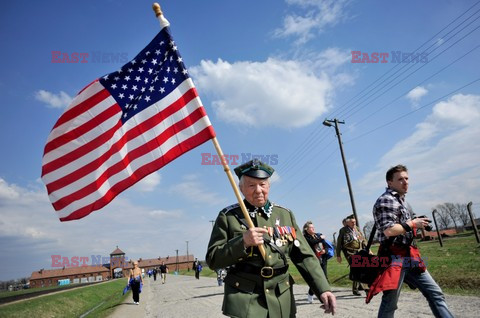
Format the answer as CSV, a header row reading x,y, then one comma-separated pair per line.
x,y
396,232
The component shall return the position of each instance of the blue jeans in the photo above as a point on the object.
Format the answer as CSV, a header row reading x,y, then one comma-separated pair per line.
x,y
426,284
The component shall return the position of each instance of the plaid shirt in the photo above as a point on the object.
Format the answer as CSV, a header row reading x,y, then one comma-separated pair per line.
x,y
391,209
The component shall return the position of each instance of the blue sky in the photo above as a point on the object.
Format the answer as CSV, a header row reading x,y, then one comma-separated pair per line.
x,y
268,73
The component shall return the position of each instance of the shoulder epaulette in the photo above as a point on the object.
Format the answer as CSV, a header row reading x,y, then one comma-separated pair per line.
x,y
231,207
282,207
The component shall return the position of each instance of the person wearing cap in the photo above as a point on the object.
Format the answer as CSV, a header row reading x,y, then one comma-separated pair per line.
x,y
255,287
350,240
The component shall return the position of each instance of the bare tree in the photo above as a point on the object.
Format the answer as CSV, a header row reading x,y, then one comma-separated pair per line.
x,y
463,213
444,218
453,213
367,228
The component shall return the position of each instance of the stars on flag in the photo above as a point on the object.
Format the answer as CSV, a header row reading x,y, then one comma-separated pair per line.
x,y
146,74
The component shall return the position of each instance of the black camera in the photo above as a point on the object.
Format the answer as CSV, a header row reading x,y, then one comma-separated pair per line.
x,y
426,227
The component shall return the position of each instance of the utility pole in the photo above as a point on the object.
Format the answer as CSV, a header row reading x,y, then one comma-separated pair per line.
x,y
188,267
335,121
176,262
213,222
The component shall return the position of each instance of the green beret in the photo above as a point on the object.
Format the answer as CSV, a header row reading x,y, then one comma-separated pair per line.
x,y
351,216
255,169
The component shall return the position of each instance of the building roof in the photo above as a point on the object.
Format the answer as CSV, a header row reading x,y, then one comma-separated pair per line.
x,y
89,269
68,271
117,251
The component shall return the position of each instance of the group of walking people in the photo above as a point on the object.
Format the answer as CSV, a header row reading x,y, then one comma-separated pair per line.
x,y
257,259
258,283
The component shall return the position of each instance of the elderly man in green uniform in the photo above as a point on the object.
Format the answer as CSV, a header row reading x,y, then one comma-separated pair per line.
x,y
255,287
350,240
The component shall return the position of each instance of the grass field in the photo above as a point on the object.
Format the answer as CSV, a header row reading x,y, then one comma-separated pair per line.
x,y
103,297
5,294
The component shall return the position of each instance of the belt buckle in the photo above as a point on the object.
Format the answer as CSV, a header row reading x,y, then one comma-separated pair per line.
x,y
266,272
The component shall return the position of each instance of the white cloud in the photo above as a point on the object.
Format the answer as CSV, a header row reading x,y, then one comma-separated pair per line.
x,y
7,191
416,94
441,154
459,110
149,183
162,214
319,15
193,190
332,58
60,100
285,94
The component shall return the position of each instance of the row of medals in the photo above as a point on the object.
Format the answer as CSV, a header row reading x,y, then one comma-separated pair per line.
x,y
283,234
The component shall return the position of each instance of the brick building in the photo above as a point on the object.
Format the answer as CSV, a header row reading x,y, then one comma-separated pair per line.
x,y
97,273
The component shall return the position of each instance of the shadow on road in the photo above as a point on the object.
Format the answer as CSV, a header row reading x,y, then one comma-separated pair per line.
x,y
208,295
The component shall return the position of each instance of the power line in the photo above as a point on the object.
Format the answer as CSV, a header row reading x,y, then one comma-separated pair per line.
x,y
308,175
405,65
414,71
420,83
413,111
315,137
298,153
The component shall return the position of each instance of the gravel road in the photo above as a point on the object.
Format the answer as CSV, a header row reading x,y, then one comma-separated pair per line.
x,y
185,297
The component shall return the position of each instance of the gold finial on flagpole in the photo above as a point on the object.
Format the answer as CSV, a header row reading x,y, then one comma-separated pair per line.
x,y
156,8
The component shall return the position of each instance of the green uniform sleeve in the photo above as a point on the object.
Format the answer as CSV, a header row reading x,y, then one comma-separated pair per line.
x,y
338,249
223,252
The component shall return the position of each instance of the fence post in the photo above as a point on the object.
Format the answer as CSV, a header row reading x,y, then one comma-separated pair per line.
x,y
475,230
440,240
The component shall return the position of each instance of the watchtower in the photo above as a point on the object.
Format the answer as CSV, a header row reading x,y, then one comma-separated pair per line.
x,y
117,260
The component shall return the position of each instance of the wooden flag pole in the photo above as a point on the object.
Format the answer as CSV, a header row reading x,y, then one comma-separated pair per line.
x,y
158,13
156,8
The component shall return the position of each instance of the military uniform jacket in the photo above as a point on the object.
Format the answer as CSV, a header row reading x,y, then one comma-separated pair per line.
x,y
349,243
251,295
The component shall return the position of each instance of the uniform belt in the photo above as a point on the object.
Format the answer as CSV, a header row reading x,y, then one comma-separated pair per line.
x,y
265,272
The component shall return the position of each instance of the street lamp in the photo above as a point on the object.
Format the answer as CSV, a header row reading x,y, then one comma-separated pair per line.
x,y
335,122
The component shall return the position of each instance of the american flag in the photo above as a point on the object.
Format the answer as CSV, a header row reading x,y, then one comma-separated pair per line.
x,y
122,127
